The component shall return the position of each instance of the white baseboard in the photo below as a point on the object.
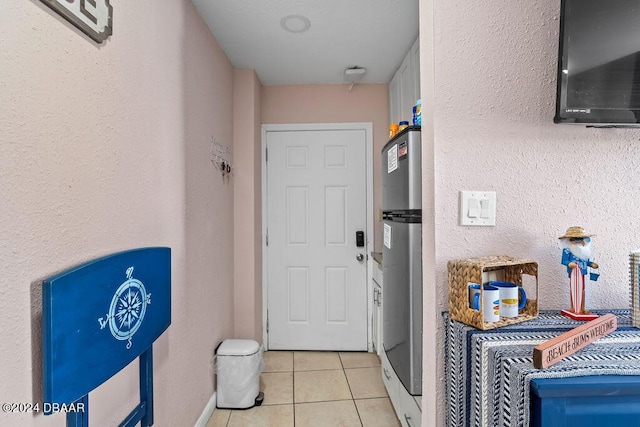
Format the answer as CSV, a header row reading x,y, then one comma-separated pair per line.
x,y
207,412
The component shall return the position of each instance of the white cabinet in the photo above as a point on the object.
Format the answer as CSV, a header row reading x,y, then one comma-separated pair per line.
x,y
407,88
377,308
415,60
404,88
407,409
391,382
394,99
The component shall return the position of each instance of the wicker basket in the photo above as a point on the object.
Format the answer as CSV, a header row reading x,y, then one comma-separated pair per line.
x,y
465,271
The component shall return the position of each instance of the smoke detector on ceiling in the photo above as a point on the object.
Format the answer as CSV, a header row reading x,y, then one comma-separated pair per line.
x,y
295,23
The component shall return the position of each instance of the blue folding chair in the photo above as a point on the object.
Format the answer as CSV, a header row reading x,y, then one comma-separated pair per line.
x,y
97,318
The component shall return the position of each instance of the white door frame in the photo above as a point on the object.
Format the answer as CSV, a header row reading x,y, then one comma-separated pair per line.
x,y
368,128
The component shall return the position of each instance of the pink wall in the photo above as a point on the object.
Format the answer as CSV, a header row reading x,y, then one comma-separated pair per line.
x,y
247,206
492,94
283,104
106,148
207,315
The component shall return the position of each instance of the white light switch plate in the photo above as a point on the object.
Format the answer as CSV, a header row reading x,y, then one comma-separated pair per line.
x,y
478,208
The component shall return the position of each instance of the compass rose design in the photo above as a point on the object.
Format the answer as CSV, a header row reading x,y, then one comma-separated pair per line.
x,y
127,309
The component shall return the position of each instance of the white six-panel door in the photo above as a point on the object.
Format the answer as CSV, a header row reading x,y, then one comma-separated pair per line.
x,y
316,201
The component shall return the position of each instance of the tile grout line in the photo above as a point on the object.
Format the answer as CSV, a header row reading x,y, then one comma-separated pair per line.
x,y
293,379
353,400
322,401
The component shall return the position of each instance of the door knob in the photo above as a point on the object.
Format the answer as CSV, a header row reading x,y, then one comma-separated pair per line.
x,y
360,257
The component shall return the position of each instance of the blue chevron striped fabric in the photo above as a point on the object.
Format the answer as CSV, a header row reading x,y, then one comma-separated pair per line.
x,y
488,373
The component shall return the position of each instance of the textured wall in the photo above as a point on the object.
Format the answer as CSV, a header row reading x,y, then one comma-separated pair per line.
x,y
247,189
493,104
106,148
334,103
431,363
207,316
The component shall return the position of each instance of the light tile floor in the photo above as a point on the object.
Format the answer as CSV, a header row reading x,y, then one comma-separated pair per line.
x,y
316,389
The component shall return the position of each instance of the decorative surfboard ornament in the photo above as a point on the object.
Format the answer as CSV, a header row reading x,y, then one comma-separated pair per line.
x,y
92,17
576,256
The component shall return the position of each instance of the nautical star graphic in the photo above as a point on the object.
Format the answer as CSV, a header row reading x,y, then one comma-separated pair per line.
x,y
127,310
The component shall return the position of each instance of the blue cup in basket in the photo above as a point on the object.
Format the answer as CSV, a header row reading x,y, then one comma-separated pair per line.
x,y
490,306
512,298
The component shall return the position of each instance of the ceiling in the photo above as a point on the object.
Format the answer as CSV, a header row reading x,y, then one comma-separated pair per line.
x,y
374,34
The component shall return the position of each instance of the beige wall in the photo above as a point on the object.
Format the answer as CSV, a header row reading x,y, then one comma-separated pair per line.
x,y
283,104
247,206
492,108
106,148
432,380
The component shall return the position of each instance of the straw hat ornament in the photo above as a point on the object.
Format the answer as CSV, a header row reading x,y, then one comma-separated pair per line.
x,y
575,232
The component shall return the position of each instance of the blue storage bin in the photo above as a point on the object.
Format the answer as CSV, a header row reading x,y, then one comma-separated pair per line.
x,y
600,400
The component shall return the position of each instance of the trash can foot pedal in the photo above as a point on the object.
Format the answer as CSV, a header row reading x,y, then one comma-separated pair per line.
x,y
260,399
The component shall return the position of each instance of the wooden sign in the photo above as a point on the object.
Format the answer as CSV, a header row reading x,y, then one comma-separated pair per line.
x,y
553,351
92,17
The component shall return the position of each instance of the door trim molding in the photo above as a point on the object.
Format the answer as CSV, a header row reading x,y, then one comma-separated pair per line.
x,y
368,128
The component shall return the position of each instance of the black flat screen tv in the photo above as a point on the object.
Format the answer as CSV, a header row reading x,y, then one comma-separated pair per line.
x,y
599,63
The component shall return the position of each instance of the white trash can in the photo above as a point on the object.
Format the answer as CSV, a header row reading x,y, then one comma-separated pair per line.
x,y
238,366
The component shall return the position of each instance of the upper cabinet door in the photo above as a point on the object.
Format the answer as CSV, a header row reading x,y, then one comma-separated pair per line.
x,y
394,99
407,89
404,88
415,59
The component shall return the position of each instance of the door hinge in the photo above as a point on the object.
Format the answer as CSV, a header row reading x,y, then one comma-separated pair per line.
x,y
267,322
266,154
267,238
